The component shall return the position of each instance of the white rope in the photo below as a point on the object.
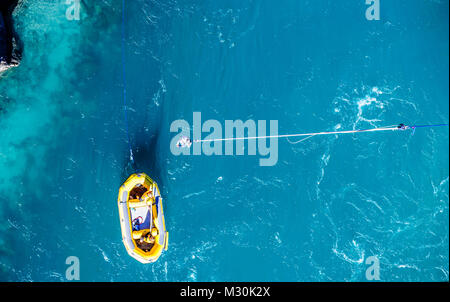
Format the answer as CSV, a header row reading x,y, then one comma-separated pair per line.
x,y
389,128
299,141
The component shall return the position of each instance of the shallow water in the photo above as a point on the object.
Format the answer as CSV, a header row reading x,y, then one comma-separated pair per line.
x,y
317,215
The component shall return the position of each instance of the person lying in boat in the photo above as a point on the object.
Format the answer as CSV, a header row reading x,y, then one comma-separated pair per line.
x,y
184,142
138,191
134,195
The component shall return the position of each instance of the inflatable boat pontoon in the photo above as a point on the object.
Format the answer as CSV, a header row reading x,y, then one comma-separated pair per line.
x,y
142,219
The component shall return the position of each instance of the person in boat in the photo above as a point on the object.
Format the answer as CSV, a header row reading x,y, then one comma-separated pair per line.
x,y
184,142
133,195
137,192
149,237
148,196
402,127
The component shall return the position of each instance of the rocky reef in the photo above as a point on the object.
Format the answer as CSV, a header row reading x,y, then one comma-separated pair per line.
x,y
10,44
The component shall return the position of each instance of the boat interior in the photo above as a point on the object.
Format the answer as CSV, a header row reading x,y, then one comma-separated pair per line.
x,y
142,219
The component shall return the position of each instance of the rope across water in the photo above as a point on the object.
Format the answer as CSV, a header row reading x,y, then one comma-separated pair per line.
x,y
125,83
388,128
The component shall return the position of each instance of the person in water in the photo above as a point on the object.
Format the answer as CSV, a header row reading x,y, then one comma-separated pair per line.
x,y
184,142
402,127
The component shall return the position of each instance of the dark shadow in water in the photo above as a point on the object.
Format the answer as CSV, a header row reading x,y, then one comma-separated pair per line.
x,y
144,122
10,44
145,158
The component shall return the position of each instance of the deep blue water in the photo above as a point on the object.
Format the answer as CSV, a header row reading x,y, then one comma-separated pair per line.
x,y
326,206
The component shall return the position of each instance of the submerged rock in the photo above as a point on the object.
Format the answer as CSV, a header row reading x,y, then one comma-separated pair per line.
x,y
10,44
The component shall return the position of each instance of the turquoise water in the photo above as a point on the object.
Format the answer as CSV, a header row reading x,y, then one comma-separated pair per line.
x,y
325,207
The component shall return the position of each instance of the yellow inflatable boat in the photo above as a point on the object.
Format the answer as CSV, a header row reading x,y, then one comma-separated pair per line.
x,y
142,219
